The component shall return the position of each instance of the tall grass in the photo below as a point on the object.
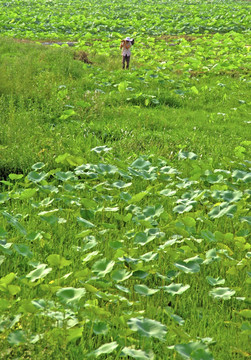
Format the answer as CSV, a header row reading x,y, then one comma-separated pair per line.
x,y
40,84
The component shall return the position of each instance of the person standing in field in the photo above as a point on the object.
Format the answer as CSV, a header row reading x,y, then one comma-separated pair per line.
x,y
126,52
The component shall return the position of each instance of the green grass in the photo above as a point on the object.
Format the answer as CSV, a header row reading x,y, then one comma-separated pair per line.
x,y
40,84
145,125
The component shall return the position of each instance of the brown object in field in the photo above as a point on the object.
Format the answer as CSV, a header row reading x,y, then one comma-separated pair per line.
x,y
82,56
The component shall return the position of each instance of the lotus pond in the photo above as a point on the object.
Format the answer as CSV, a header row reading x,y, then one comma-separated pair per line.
x,y
119,259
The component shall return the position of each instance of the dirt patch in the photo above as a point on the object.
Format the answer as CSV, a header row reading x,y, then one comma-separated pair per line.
x,y
177,37
69,43
22,41
46,42
82,56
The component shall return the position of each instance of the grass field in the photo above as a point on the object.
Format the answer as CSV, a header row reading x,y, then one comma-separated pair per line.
x,y
124,195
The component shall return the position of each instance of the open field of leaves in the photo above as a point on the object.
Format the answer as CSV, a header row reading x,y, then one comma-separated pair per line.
x,y
122,258
125,196
107,19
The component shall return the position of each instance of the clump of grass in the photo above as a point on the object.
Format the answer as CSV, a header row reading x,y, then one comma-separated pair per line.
x,y
82,56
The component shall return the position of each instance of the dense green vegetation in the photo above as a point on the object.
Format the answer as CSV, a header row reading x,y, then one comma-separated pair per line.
x,y
124,195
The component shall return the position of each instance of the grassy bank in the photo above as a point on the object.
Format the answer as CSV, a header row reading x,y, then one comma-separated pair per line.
x,y
51,104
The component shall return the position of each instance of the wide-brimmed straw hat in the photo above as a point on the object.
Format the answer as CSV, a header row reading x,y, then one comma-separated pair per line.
x,y
127,38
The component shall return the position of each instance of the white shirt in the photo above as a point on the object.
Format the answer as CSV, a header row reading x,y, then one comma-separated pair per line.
x,y
125,50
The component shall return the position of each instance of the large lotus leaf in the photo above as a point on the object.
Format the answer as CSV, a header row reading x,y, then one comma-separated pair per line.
x,y
104,349
16,176
223,209
246,219
186,183
141,164
125,196
140,274
188,267
148,327
168,192
17,337
13,289
99,149
100,328
187,155
194,351
27,194
170,276
150,256
111,209
87,224
180,209
38,166
137,354
143,238
144,290
40,272
197,259
122,185
27,307
246,313
222,293
58,261
152,211
211,255
175,239
50,218
231,196
5,247
88,204
175,289
102,267
74,334
69,294
214,282
147,174
106,168
14,222
23,250
6,281
214,179
121,275
34,236
65,176
244,176
208,235
36,177
122,288
90,256
89,242
189,221
168,170
137,197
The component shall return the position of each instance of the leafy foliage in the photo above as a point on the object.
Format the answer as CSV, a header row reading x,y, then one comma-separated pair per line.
x,y
137,240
